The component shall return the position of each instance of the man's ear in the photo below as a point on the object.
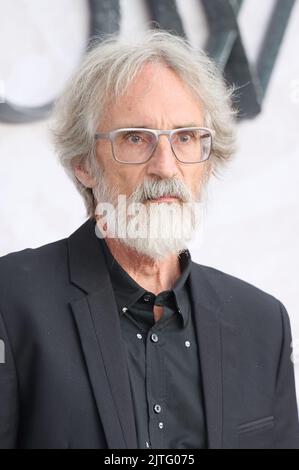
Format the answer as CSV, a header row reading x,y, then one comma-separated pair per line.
x,y
83,176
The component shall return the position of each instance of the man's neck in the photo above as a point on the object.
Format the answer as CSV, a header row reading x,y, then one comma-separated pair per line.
x,y
154,276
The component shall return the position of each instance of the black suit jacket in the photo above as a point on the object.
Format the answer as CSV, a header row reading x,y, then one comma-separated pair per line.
x,y
64,383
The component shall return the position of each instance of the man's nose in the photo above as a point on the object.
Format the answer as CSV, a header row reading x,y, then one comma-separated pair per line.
x,y
163,162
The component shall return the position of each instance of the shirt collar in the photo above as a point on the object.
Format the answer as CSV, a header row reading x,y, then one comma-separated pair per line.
x,y
128,291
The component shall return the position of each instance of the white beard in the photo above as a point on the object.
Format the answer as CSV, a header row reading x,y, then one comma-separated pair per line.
x,y
153,229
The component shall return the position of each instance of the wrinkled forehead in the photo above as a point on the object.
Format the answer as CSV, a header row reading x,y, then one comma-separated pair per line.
x,y
153,79
156,93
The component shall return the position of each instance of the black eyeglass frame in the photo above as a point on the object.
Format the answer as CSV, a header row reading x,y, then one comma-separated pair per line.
x,y
156,132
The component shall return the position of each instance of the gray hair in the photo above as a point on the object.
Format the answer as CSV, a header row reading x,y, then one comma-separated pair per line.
x,y
107,70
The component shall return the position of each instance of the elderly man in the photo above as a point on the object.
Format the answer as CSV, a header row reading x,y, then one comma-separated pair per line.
x,y
114,337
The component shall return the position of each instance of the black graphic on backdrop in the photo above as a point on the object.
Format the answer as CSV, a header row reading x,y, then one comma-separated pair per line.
x,y
224,45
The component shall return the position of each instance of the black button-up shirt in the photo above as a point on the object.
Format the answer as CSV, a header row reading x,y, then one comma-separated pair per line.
x,y
162,358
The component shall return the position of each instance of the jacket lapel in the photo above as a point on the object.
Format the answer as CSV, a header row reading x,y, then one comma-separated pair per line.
x,y
218,355
98,324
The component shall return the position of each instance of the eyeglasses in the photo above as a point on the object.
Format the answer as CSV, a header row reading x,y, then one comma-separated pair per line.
x,y
137,145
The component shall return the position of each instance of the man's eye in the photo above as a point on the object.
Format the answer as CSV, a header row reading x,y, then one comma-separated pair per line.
x,y
185,138
133,138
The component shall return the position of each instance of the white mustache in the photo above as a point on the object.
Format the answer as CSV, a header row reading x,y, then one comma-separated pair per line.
x,y
160,188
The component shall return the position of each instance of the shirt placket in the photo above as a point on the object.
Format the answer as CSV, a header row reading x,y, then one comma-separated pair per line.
x,y
155,387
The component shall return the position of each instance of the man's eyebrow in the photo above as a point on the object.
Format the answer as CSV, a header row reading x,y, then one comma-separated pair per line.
x,y
192,124
144,126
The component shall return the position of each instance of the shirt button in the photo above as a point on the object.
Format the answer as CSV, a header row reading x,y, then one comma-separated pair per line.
x,y
157,408
139,336
154,338
147,297
161,425
124,309
187,344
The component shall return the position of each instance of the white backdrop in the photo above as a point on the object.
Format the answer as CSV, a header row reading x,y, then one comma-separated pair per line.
x,y
252,224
